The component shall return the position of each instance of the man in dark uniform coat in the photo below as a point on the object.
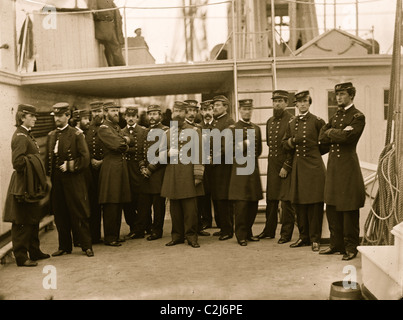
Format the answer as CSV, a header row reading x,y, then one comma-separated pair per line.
x,y
153,175
344,187
96,157
308,172
221,173
108,30
114,185
279,164
68,157
24,216
204,202
82,119
245,190
182,181
134,155
191,113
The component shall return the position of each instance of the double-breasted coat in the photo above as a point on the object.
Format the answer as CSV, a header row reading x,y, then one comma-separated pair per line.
x,y
95,146
344,187
278,188
71,147
179,178
246,187
114,185
152,185
208,168
22,144
308,170
221,173
134,155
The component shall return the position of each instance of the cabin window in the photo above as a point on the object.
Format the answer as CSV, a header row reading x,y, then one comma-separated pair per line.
x,y
291,103
44,124
331,103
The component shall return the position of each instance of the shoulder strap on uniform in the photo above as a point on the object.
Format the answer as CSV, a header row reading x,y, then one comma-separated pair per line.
x,y
359,115
21,134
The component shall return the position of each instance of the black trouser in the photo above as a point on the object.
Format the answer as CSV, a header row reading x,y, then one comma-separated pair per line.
x,y
113,52
95,207
309,220
157,203
70,204
223,209
204,211
245,215
344,227
184,219
25,239
132,215
112,221
287,219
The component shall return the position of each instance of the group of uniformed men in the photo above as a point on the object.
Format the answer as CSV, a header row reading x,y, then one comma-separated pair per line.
x,y
99,167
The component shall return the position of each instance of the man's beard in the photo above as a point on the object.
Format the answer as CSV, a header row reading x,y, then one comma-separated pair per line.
x,y
113,119
278,112
84,126
97,120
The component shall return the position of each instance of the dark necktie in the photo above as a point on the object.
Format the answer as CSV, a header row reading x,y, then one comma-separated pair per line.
x,y
341,110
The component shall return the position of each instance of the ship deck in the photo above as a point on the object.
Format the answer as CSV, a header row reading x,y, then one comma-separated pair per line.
x,y
148,270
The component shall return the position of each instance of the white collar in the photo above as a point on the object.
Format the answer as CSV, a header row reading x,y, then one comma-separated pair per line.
x,y
303,114
188,121
61,129
348,107
25,128
245,121
79,129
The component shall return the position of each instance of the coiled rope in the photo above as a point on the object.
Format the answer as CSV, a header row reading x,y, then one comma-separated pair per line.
x,y
387,207
384,213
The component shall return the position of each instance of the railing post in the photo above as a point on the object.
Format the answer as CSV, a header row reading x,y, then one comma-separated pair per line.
x,y
126,44
273,45
234,49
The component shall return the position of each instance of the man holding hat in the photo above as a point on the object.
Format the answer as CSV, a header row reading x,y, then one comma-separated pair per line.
x,y
279,165
96,150
114,184
308,172
153,175
25,216
221,173
134,155
68,157
182,181
245,190
344,187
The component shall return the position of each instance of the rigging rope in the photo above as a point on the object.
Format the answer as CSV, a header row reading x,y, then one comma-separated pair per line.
x,y
387,208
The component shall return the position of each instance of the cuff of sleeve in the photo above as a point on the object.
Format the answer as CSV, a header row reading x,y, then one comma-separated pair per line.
x,y
198,170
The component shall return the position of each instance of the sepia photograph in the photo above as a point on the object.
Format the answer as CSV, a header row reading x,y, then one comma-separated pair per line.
x,y
201,155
